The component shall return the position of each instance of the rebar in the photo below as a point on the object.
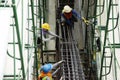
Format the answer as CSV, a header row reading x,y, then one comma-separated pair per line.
x,y
72,68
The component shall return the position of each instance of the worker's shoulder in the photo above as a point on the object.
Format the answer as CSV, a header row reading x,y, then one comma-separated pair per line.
x,y
74,11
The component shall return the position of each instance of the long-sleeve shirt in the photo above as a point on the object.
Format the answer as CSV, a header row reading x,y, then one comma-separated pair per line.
x,y
71,19
53,35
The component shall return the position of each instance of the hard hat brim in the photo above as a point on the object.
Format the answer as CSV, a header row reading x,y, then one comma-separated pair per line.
x,y
46,26
67,11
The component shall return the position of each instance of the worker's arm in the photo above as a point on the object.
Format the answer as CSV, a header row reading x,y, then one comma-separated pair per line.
x,y
62,19
47,39
53,34
76,14
80,17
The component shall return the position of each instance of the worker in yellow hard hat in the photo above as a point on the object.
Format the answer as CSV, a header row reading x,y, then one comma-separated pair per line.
x,y
69,16
46,26
46,31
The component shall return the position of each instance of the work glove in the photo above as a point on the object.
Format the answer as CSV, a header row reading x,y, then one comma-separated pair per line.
x,y
85,21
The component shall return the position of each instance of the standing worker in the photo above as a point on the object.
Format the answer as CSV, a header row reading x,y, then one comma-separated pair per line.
x,y
46,71
69,16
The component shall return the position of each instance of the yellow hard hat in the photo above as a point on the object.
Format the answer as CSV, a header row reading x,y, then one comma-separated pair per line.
x,y
46,26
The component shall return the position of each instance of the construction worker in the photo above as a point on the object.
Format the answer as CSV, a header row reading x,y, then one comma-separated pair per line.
x,y
69,16
46,71
46,30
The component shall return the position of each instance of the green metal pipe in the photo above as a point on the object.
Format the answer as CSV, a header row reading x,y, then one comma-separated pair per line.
x,y
43,3
34,36
28,41
82,4
115,25
96,9
22,21
41,31
44,20
40,16
115,71
14,52
40,12
18,37
12,56
106,32
106,73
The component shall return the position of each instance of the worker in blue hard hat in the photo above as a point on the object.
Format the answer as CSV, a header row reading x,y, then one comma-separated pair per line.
x,y
46,69
46,30
69,16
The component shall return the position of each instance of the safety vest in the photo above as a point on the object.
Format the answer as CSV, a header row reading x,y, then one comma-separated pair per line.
x,y
43,75
45,78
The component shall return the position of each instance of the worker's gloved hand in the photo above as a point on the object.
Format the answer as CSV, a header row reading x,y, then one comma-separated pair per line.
x,y
86,21
60,37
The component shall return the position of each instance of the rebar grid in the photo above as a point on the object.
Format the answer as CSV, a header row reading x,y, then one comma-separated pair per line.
x,y
72,68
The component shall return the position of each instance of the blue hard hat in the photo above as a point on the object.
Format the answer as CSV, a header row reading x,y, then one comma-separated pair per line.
x,y
46,68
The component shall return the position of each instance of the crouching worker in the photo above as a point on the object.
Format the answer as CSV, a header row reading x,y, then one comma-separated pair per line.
x,y
69,16
46,72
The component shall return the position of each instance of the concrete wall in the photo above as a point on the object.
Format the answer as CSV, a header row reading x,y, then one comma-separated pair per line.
x,y
51,21
78,25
